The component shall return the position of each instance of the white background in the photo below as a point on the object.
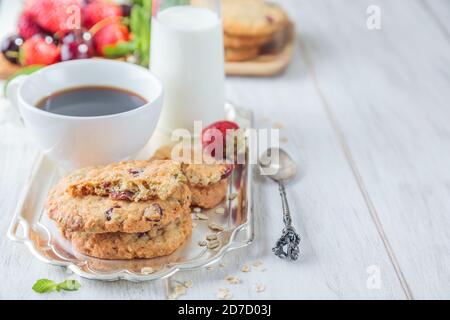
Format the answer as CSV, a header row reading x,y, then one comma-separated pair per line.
x,y
366,114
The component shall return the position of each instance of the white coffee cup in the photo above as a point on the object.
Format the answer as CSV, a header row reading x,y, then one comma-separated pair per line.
x,y
75,142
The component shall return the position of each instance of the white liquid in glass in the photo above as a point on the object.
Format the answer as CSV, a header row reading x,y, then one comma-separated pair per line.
x,y
187,55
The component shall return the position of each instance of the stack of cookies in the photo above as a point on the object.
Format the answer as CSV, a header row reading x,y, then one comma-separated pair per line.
x,y
207,180
133,209
252,27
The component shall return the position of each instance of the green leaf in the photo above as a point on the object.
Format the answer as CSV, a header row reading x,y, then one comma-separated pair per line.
x,y
44,286
23,71
118,49
147,4
140,28
69,285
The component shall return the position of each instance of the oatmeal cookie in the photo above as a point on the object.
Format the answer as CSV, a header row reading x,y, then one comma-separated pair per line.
x,y
128,180
102,214
252,17
239,42
202,174
235,55
155,243
209,197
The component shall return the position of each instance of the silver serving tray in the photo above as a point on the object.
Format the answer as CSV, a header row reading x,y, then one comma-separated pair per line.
x,y
32,227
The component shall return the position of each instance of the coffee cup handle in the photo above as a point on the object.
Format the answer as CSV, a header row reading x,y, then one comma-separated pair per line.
x,y
12,91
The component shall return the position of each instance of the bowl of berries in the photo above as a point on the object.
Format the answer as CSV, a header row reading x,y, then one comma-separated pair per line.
x,y
51,31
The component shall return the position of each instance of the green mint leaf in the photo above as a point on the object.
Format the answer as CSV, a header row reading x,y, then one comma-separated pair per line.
x,y
68,285
44,286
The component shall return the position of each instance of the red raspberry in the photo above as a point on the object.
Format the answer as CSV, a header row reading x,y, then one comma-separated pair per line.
x,y
208,133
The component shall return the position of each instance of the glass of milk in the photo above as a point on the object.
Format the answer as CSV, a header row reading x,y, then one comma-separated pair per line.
x,y
187,55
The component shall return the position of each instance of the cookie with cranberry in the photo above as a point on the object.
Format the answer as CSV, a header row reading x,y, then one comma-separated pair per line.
x,y
201,172
211,196
245,54
97,214
129,180
252,18
161,241
240,42
207,181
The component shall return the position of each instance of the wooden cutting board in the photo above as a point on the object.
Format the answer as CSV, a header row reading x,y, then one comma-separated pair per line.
x,y
264,65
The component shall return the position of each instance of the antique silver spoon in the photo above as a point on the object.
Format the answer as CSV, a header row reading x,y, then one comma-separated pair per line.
x,y
277,165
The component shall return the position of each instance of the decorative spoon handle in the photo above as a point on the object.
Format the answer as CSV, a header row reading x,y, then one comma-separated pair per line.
x,y
288,245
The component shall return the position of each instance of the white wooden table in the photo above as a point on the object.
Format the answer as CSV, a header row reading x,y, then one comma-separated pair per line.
x,y
366,114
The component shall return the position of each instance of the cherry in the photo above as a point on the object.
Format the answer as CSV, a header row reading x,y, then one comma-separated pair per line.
x,y
10,48
77,44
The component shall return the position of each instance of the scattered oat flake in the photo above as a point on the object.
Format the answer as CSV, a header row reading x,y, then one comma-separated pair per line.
x,y
213,244
173,296
245,268
202,216
258,263
197,210
224,294
209,268
215,227
284,139
233,280
211,237
220,210
194,224
147,270
202,243
188,283
232,196
260,287
222,264
180,289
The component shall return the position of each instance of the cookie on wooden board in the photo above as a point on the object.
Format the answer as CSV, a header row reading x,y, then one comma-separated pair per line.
x,y
235,55
252,18
239,42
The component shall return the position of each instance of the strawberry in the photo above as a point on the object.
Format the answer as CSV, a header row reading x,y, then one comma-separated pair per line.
x,y
26,26
39,50
98,10
55,15
212,131
110,35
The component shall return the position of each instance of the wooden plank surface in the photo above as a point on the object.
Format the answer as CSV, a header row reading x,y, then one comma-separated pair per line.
x,y
387,93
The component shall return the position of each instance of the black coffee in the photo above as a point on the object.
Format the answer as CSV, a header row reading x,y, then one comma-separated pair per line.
x,y
91,101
